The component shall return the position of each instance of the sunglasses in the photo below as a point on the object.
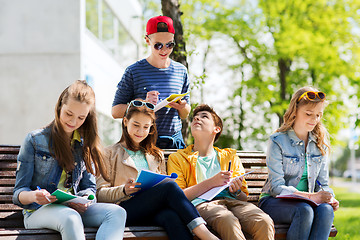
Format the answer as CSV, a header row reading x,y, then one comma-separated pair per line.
x,y
68,180
138,103
159,45
312,96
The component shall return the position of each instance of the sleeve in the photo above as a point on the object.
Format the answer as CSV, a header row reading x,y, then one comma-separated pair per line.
x,y
239,170
87,184
174,166
323,176
25,172
125,89
186,87
106,192
276,178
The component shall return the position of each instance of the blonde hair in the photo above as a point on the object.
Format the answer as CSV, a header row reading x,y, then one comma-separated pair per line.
x,y
319,131
92,153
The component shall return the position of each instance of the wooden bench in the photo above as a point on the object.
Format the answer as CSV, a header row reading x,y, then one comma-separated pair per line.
x,y
11,219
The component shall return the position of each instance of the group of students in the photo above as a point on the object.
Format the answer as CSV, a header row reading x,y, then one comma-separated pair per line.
x,y
67,155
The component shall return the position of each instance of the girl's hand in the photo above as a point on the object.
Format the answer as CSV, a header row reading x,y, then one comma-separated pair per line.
x,y
334,203
220,179
152,96
130,188
80,208
321,197
235,184
43,197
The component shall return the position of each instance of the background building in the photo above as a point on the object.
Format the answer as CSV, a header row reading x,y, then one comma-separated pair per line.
x,y
48,44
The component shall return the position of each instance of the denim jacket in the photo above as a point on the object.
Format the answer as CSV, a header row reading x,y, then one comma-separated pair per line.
x,y
37,167
285,160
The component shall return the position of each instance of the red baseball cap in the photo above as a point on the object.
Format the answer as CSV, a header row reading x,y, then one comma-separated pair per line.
x,y
160,24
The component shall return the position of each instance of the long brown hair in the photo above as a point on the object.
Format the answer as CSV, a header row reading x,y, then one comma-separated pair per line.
x,y
148,144
60,143
319,131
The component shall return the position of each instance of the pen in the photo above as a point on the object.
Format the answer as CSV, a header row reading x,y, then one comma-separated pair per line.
x,y
229,165
320,185
44,195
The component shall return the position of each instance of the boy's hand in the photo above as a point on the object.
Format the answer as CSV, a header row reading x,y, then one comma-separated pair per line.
x,y
220,179
178,104
152,96
235,184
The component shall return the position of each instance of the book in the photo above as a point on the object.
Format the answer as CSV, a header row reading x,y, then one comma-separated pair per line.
x,y
213,192
298,198
65,198
169,99
149,179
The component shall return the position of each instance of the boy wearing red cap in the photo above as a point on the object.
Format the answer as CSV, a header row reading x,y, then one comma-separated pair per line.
x,y
154,79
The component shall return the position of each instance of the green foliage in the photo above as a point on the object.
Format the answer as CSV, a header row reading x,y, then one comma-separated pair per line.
x,y
281,46
347,219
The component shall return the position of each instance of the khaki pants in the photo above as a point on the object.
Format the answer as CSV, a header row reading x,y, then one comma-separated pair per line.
x,y
228,217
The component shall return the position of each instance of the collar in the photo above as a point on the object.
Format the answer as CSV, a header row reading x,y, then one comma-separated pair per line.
x,y
297,141
76,137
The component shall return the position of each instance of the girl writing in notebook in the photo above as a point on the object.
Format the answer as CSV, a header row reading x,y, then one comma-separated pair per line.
x,y
164,204
65,155
297,160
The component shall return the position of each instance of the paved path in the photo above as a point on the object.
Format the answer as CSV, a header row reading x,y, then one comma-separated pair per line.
x,y
340,182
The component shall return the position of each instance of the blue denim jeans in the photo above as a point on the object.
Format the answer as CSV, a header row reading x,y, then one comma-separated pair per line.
x,y
305,221
175,141
110,219
164,205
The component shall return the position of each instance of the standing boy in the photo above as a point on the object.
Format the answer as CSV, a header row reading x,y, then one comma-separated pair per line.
x,y
202,166
154,79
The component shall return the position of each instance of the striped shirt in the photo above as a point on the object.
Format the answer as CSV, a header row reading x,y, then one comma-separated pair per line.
x,y
142,77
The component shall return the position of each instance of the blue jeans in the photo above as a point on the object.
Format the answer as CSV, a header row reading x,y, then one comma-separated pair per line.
x,y
110,219
175,141
305,221
164,205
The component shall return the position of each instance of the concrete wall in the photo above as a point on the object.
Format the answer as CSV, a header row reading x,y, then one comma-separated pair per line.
x,y
39,56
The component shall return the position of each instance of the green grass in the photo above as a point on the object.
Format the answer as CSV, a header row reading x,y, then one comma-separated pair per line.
x,y
347,218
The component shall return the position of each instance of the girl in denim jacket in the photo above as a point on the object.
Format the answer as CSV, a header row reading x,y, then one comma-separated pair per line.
x,y
63,156
297,159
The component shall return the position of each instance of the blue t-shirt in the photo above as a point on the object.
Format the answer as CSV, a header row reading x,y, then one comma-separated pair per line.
x,y
167,81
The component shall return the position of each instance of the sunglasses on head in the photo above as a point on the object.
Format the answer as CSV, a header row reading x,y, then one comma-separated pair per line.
x,y
312,96
159,45
138,103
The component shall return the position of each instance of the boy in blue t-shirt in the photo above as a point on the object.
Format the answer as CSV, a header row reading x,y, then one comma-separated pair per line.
x,y
154,79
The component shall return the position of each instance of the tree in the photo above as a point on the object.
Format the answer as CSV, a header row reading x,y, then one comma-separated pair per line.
x,y
286,45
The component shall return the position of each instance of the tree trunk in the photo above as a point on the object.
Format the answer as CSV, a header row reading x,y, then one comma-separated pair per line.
x,y
284,68
171,8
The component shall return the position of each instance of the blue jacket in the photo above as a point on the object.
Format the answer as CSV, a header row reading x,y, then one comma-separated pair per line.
x,y
285,160
37,167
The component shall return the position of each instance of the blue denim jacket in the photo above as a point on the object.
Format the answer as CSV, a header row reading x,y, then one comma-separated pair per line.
x,y
285,160
37,167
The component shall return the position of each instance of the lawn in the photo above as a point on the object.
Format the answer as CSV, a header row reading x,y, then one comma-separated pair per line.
x,y
347,218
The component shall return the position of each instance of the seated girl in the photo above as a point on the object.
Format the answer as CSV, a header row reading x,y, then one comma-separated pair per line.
x,y
297,160
63,156
164,204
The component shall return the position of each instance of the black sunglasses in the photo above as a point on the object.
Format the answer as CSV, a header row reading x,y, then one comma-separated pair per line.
x,y
159,45
68,180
